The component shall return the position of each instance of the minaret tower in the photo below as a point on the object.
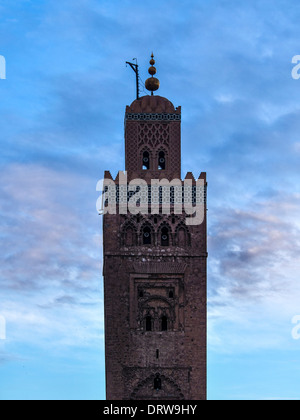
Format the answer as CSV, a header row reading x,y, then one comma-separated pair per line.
x,y
154,266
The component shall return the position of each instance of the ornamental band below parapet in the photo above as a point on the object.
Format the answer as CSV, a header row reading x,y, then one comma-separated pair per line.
x,y
152,117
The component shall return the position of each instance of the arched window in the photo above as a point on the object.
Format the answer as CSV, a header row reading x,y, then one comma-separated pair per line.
x,y
157,383
161,161
164,323
146,236
129,236
148,323
181,236
146,160
171,294
165,237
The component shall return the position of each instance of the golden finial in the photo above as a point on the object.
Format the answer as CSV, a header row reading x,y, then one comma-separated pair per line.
x,y
152,61
152,83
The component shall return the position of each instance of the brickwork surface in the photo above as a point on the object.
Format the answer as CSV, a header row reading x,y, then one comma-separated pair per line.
x,y
155,293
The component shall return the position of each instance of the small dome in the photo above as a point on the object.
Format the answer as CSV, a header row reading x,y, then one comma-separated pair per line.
x,y
150,105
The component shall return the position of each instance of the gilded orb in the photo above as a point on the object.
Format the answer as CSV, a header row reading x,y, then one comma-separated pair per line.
x,y
152,70
152,84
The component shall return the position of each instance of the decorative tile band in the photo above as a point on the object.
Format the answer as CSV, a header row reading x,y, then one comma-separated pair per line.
x,y
152,117
159,268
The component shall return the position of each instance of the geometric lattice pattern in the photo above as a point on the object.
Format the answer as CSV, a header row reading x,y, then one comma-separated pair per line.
x,y
153,135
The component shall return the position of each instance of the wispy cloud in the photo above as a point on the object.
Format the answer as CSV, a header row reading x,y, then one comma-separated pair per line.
x,y
254,270
51,258
228,64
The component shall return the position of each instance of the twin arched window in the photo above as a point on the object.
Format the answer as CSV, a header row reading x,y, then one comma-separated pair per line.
x,y
164,323
146,161
182,237
164,236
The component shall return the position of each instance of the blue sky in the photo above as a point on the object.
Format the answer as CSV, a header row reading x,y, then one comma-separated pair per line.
x,y
228,64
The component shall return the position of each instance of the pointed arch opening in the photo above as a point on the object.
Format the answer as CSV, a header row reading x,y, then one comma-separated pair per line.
x,y
165,236
157,383
129,235
147,236
182,238
161,161
148,323
164,323
146,160
129,239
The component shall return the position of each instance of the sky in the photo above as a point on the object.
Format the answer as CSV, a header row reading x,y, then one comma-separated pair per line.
x,y
228,64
